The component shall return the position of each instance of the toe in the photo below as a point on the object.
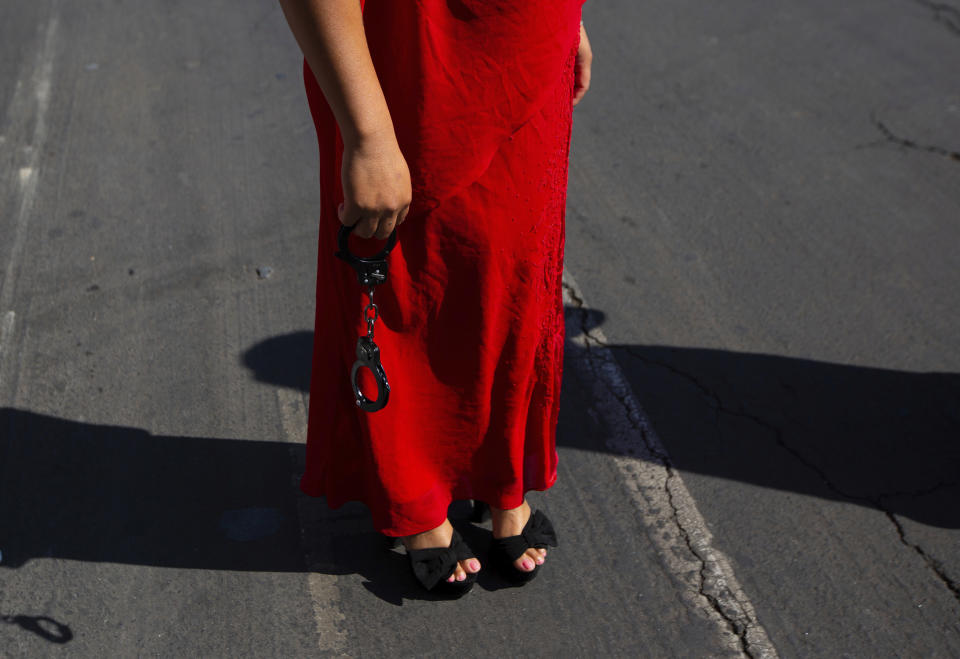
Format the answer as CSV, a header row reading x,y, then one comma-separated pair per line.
x,y
472,566
525,563
458,574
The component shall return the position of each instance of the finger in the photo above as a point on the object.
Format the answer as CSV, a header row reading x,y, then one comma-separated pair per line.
x,y
582,83
348,214
580,92
366,227
403,215
385,228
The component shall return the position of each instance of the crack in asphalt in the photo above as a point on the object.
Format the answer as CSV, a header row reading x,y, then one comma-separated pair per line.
x,y
876,502
891,137
946,14
738,624
931,562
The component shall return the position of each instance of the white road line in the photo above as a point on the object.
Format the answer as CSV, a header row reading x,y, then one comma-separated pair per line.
x,y
662,500
324,592
29,103
6,337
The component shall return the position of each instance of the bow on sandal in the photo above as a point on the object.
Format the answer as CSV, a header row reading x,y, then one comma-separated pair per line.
x,y
432,567
537,533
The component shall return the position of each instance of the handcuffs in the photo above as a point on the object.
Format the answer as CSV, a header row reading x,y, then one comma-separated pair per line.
x,y
371,271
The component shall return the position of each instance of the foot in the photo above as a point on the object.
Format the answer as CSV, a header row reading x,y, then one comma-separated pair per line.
x,y
510,522
440,537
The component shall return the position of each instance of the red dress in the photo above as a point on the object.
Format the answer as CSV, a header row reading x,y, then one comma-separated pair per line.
x,y
471,324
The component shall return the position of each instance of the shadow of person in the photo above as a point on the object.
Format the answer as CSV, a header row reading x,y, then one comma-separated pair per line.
x,y
101,493
282,360
105,493
875,437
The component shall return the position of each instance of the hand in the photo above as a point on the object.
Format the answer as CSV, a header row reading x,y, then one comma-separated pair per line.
x,y
582,67
376,186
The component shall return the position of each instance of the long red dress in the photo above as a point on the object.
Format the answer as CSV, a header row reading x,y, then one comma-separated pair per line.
x,y
471,324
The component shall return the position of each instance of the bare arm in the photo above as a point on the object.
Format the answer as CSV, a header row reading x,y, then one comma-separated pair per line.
x,y
376,180
330,34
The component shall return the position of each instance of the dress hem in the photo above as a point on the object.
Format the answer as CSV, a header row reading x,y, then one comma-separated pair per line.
x,y
397,530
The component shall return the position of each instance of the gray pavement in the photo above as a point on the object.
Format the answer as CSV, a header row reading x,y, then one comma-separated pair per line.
x,y
760,435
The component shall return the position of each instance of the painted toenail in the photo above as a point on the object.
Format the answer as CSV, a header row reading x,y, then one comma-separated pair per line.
x,y
527,564
461,577
474,565
540,561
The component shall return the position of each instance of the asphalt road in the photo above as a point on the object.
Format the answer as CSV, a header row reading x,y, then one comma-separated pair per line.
x,y
760,435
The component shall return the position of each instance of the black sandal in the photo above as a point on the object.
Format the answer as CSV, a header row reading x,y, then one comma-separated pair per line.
x,y
432,567
537,533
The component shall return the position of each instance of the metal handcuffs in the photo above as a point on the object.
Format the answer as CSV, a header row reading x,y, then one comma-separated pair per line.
x,y
371,271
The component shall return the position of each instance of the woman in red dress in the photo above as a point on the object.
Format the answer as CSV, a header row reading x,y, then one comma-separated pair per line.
x,y
451,117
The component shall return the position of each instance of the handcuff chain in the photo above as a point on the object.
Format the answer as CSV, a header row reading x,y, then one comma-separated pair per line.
x,y
370,320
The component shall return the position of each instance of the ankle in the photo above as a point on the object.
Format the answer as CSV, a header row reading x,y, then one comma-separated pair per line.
x,y
438,536
509,522
502,511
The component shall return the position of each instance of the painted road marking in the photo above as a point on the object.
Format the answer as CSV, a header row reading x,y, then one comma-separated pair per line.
x,y
6,338
662,500
29,103
324,591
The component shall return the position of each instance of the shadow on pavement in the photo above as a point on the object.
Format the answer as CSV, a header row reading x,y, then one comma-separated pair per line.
x,y
100,493
283,360
43,626
876,437
880,438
